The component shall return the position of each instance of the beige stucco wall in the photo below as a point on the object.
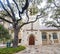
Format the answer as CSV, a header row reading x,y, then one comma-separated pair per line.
x,y
26,35
51,32
38,36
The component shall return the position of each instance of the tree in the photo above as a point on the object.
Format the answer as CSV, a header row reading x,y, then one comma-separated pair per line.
x,y
16,21
54,14
4,33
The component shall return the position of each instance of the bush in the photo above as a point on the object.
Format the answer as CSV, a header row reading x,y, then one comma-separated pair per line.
x,y
4,34
11,50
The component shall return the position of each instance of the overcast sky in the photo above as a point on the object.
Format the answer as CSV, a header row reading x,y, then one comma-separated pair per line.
x,y
42,5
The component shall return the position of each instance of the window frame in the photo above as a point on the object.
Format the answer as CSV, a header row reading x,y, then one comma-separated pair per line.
x,y
44,37
55,36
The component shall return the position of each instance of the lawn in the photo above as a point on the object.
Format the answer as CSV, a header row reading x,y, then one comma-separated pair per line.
x,y
11,50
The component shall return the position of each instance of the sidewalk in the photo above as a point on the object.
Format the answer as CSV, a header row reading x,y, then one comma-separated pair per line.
x,y
50,49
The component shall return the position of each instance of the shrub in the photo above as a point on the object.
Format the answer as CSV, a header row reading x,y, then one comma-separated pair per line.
x,y
11,50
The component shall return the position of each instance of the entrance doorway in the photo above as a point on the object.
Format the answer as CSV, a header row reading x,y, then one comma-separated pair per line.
x,y
31,40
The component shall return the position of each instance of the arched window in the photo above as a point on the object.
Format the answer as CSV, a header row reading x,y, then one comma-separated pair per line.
x,y
54,35
44,35
19,40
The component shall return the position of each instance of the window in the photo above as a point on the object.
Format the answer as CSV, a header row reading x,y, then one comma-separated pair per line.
x,y
44,35
54,35
19,40
49,36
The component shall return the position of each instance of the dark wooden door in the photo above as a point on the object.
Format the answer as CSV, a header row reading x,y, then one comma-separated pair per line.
x,y
31,40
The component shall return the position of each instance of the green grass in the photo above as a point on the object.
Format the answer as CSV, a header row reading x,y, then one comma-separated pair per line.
x,y
11,50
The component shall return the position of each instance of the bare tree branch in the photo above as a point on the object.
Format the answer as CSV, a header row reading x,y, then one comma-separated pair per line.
x,y
55,4
17,9
25,7
16,4
55,25
19,19
13,17
5,20
27,15
57,21
37,17
5,9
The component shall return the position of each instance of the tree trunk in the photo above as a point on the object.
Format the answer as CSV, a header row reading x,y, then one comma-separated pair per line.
x,y
15,41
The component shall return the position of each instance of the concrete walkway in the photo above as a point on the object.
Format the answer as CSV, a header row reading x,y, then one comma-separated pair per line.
x,y
49,49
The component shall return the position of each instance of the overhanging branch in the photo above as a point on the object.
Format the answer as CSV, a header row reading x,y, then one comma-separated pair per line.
x,y
19,19
55,26
38,17
8,3
25,7
17,9
5,20
55,4
27,15
5,9
16,4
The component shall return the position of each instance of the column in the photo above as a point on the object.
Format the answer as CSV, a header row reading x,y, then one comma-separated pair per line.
x,y
51,39
40,41
48,38
58,35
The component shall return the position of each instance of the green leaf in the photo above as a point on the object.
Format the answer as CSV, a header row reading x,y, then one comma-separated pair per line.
x,y
49,1
4,33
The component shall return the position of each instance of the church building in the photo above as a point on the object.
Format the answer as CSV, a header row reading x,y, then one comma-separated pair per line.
x,y
34,34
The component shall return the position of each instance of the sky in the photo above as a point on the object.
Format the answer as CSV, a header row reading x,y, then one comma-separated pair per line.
x,y
42,5
5,0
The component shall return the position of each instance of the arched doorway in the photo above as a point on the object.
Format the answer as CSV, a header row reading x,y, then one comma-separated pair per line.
x,y
31,40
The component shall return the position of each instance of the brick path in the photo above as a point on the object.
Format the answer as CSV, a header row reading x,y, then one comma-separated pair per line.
x,y
48,49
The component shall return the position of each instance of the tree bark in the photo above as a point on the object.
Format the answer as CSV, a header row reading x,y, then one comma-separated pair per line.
x,y
15,41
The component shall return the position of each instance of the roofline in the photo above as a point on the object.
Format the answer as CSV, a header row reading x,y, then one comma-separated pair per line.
x,y
50,30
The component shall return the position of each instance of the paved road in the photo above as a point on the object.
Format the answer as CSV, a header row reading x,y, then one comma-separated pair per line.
x,y
49,49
